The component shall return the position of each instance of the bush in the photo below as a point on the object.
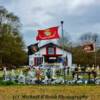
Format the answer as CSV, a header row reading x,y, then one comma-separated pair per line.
x,y
7,83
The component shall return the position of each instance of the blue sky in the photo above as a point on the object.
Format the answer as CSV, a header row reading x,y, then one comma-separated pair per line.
x,y
79,16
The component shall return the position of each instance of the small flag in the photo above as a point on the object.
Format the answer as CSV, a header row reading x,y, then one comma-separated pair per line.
x,y
46,34
33,48
89,47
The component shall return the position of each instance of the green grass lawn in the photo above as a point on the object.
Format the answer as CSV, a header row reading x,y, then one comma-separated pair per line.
x,y
1,73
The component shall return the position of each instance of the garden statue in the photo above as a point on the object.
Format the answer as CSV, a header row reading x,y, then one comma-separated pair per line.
x,y
98,70
38,75
21,78
53,73
12,75
30,78
79,68
49,74
6,75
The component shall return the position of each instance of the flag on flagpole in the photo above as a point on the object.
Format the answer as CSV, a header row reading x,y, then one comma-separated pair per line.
x,y
89,47
33,48
46,34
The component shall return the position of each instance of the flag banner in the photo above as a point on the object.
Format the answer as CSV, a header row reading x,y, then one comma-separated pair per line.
x,y
32,49
89,47
46,34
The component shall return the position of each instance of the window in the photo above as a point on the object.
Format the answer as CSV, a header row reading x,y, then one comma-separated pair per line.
x,y
50,50
38,61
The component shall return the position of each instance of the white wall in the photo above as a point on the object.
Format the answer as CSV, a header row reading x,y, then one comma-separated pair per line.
x,y
37,54
65,53
58,51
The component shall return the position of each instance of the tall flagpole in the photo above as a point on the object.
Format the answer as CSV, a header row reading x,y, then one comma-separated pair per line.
x,y
95,51
39,51
62,31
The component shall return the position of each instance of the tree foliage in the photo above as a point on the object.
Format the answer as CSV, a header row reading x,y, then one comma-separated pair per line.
x,y
82,57
65,41
11,42
89,37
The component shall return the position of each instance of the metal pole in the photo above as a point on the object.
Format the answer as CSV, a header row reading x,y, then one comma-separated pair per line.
x,y
63,48
39,52
62,31
95,52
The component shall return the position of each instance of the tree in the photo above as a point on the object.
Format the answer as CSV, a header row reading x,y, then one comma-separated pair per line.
x,y
11,42
65,41
89,37
82,57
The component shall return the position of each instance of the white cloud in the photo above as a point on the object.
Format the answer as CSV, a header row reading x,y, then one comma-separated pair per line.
x,y
36,11
35,14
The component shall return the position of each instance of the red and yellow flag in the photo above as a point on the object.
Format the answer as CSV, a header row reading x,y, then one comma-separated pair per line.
x,y
46,34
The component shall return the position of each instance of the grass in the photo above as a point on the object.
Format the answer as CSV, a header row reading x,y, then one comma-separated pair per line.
x,y
1,73
61,92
